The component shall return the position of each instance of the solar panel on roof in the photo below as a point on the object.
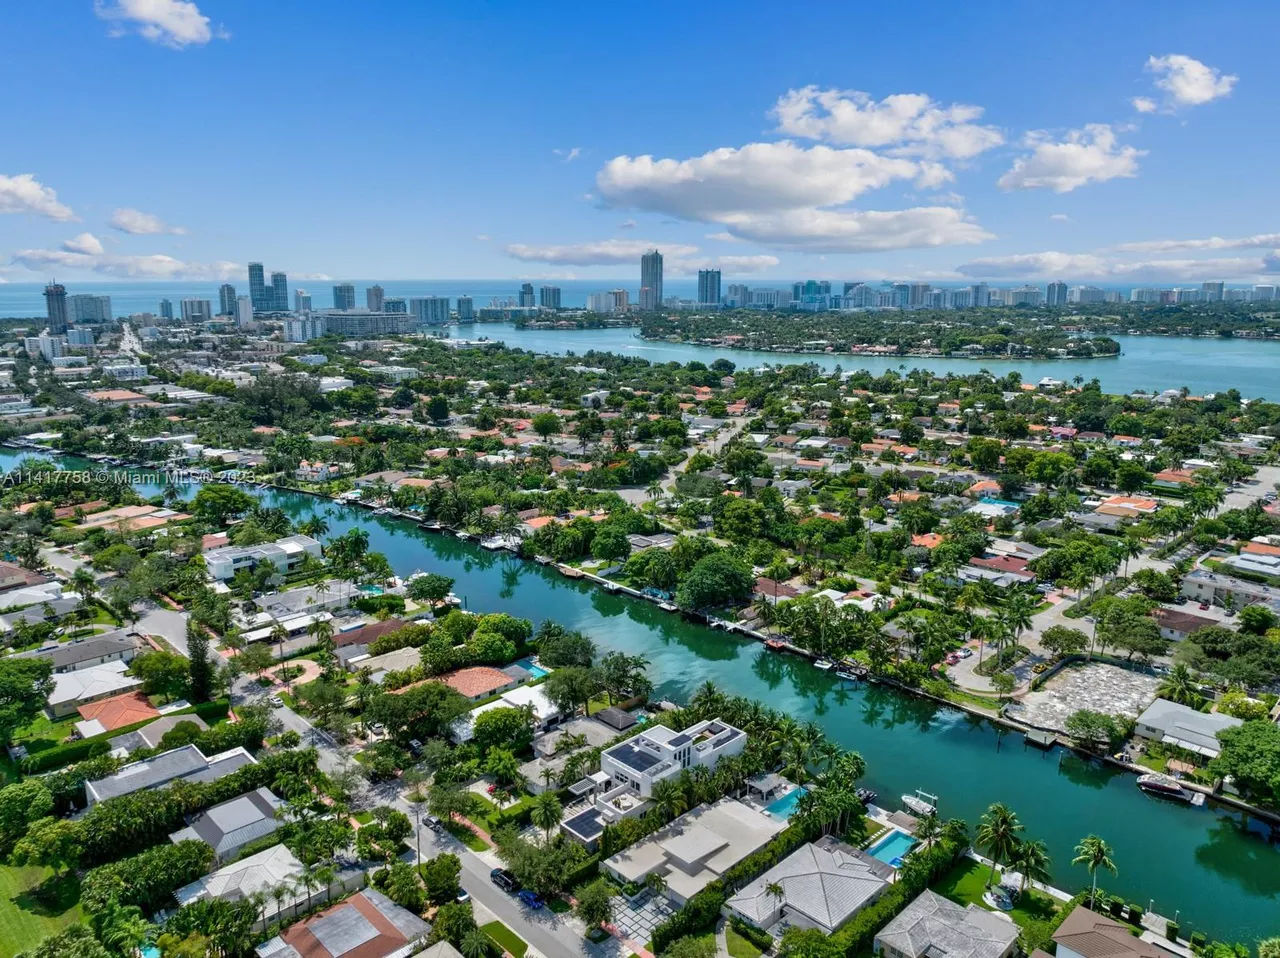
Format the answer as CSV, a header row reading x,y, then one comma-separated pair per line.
x,y
633,758
587,824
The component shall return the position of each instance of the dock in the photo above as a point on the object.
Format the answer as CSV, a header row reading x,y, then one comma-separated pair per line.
x,y
1040,738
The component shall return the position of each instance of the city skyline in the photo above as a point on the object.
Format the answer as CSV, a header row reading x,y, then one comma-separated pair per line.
x,y
893,166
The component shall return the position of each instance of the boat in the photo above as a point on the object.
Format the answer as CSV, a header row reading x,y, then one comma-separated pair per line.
x,y
1165,787
847,674
774,645
866,796
464,536
666,607
823,664
921,803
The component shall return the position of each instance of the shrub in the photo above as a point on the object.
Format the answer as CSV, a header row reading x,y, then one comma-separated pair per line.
x,y
761,939
148,879
1171,931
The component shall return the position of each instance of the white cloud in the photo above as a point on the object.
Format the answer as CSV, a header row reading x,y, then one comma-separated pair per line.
x,y
857,231
483,237
84,243
758,176
1186,81
1086,266
569,155
1060,218
155,266
1258,241
1144,104
172,23
627,225
1086,156
735,265
23,193
597,253
908,123
138,223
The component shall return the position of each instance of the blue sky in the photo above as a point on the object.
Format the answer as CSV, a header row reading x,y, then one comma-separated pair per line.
x,y
1118,143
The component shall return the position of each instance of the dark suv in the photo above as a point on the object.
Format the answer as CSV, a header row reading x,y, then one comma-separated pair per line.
x,y
504,880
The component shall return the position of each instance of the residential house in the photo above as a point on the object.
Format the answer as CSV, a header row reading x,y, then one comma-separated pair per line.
x,y
187,763
1086,934
1216,588
149,735
82,686
931,926
1174,479
285,554
107,715
824,884
481,681
318,471
117,646
1176,625
1183,727
696,849
546,715
231,825
366,925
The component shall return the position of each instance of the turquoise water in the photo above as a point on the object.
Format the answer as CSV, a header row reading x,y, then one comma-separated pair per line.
x,y
1220,868
371,589
892,849
150,951
785,806
998,502
537,671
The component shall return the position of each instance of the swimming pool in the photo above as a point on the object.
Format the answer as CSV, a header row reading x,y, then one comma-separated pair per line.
x,y
892,848
372,590
537,671
992,501
785,806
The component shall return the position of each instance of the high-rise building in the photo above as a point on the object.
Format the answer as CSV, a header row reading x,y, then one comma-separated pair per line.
x,y
959,298
919,294
244,310
258,288
1212,292
55,302
600,303
1055,294
651,280
87,308
374,297
196,310
466,310
226,300
80,337
395,304
709,287
738,297
1086,295
279,293
305,328
344,296
1024,296
429,310
301,301
980,294
1260,294
526,295
549,297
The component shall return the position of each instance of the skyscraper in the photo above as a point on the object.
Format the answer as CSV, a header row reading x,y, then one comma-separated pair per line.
x,y
55,301
430,310
1212,292
739,296
166,309
981,294
344,296
279,293
466,310
526,295
244,311
709,287
651,280
226,300
549,297
87,308
1056,294
395,304
196,310
301,301
374,297
258,287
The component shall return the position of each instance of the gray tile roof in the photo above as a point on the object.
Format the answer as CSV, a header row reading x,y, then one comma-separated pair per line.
x,y
187,762
1186,727
235,823
67,654
935,925
149,736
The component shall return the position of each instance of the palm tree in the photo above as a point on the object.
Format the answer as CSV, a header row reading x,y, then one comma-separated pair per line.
x,y
1031,858
476,944
1180,686
656,882
279,635
928,829
775,891
545,811
669,798
1094,853
998,834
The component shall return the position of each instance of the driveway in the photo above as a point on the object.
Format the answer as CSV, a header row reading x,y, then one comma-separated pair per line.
x,y
166,622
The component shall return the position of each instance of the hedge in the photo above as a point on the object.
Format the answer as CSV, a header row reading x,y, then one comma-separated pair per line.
x,y
147,880
70,752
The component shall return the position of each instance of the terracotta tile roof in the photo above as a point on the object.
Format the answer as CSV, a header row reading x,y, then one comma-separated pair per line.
x,y
367,633
119,710
476,681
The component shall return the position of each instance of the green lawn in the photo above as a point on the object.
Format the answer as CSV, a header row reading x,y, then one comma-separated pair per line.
x,y
505,938
967,881
558,906
466,836
25,922
739,947
44,734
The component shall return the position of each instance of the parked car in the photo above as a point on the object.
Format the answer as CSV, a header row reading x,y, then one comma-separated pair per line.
x,y
435,824
530,898
377,728
504,880
276,702
1204,606
464,896
966,652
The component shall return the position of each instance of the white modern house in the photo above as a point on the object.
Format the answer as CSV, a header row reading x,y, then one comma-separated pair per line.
x,y
284,554
82,686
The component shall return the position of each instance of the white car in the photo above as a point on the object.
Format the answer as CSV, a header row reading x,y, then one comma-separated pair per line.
x,y
966,652
276,702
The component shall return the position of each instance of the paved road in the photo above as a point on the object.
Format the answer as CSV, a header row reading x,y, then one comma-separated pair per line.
x,y
159,620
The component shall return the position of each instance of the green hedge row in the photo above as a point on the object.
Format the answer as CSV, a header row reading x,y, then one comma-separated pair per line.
x,y
71,752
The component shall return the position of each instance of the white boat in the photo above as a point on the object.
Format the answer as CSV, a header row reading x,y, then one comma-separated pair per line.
x,y
823,664
1165,787
921,803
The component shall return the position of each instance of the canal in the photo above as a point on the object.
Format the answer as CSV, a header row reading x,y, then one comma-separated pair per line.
x,y
1152,363
1217,869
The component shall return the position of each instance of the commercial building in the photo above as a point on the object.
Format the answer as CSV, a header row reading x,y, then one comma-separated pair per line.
x,y
279,293
258,288
308,327
226,300
55,302
651,280
125,372
374,296
196,310
87,308
709,287
429,310
549,297
344,296
466,309
526,295
362,322
244,311
284,554
301,301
